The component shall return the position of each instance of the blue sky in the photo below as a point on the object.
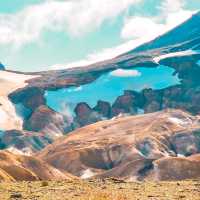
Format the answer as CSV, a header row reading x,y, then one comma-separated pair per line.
x,y
51,34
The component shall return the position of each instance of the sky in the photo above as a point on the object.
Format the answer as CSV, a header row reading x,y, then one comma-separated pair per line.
x,y
37,35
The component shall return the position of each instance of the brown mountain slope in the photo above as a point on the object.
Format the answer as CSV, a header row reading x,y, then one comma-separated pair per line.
x,y
127,147
20,168
177,168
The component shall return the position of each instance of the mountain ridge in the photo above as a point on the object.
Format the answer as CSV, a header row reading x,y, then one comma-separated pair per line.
x,y
111,148
130,147
167,39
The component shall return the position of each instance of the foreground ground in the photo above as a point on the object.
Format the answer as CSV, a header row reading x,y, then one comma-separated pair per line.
x,y
111,189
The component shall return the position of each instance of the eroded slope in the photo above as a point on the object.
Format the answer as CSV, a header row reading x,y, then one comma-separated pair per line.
x,y
130,147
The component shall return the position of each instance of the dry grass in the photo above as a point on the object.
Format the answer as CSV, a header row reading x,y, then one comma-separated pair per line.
x,y
100,190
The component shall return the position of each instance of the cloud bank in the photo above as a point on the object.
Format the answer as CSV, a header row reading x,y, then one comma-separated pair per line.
x,y
106,54
172,13
73,17
138,30
79,17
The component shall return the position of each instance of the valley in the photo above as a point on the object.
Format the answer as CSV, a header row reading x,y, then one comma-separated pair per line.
x,y
135,117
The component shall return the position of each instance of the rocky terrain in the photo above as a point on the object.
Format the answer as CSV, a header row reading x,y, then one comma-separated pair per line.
x,y
180,53
155,146
24,142
160,146
15,167
100,190
109,139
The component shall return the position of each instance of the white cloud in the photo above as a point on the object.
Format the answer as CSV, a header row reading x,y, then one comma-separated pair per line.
x,y
172,5
172,13
106,54
125,73
139,30
74,17
77,17
140,27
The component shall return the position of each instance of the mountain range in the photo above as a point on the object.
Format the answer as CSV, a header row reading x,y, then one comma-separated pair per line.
x,y
147,132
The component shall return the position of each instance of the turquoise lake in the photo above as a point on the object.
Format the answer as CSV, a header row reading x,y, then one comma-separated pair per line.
x,y
1,133
111,85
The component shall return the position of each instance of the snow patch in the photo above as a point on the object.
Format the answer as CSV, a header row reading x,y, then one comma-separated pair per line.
x,y
132,179
14,77
179,121
175,54
8,116
87,174
3,116
180,155
25,151
9,82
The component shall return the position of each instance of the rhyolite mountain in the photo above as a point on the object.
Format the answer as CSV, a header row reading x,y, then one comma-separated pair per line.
x,y
138,137
154,146
15,167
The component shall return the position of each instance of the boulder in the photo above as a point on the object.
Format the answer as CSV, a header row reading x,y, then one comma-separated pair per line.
x,y
85,115
127,103
103,108
182,98
48,121
30,97
153,100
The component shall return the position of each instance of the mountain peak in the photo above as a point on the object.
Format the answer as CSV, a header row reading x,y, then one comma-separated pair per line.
x,y
187,31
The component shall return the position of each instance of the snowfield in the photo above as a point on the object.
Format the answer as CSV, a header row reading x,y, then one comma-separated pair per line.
x,y
9,82
175,54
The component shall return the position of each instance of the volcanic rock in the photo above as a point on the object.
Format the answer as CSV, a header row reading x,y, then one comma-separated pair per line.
x,y
85,115
182,98
24,142
153,100
48,121
127,103
30,97
103,108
